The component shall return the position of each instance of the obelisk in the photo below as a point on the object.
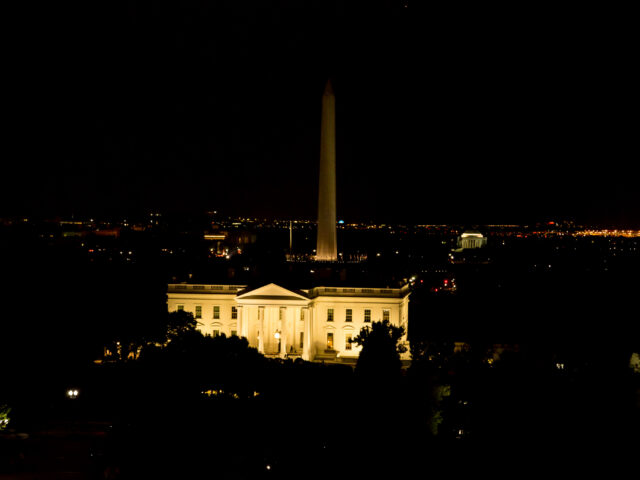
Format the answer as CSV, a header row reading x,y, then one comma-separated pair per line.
x,y
327,248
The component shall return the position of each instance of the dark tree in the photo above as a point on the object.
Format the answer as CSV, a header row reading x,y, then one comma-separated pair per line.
x,y
178,324
130,333
381,349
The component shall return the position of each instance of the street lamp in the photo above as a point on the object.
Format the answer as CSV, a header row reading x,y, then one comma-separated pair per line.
x,y
277,336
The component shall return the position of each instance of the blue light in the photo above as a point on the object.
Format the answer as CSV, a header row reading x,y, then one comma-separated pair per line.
x,y
340,221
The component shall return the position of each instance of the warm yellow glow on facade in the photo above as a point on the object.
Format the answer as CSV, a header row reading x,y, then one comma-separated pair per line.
x,y
292,324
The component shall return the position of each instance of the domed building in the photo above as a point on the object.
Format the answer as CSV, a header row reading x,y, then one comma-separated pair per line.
x,y
471,239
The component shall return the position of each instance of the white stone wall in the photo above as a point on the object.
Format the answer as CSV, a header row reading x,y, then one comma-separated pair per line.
x,y
261,316
207,324
340,327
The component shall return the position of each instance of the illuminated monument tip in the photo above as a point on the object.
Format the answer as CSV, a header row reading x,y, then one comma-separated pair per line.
x,y
328,89
327,247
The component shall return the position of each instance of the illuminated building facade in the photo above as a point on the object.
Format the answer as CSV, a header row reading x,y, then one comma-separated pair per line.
x,y
472,239
314,324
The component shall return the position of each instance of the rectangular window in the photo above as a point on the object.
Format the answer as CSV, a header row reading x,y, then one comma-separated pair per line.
x,y
330,315
281,314
198,311
330,341
180,308
234,333
302,314
347,341
385,315
301,339
367,315
349,316
216,333
234,313
216,312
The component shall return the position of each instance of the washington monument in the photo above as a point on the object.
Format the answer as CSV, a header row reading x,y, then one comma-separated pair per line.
x,y
327,247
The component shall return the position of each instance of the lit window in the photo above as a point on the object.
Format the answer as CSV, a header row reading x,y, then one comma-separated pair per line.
x,y
330,315
347,342
367,315
234,313
216,312
385,315
198,311
349,315
180,308
330,341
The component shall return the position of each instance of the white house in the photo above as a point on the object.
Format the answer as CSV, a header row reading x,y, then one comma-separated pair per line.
x,y
314,324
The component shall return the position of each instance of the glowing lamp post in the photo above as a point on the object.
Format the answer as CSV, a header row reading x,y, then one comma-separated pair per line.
x,y
277,337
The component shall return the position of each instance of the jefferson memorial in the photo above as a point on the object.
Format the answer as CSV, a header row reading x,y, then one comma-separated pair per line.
x,y
315,324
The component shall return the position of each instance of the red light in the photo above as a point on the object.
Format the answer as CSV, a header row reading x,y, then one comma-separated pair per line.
x,y
446,282
551,223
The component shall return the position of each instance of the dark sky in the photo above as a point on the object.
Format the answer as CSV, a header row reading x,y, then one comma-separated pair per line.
x,y
466,113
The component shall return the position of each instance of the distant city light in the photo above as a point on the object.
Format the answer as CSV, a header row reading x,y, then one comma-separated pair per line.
x,y
72,393
341,221
5,410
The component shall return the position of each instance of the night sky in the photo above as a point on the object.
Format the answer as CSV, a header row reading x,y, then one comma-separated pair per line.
x,y
476,114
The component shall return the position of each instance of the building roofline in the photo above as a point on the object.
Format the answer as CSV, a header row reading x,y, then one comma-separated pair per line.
x,y
315,292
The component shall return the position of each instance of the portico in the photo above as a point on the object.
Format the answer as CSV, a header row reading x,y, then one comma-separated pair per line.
x,y
273,318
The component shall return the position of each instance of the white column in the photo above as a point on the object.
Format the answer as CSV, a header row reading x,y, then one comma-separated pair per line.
x,y
267,327
307,353
245,322
404,321
283,333
239,321
295,314
305,340
261,333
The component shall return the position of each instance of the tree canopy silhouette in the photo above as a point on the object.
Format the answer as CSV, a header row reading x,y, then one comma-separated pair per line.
x,y
130,333
381,349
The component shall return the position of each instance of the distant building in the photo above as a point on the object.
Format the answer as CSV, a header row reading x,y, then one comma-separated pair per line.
x,y
471,239
315,324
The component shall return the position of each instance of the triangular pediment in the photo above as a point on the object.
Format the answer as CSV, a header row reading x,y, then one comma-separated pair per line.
x,y
272,292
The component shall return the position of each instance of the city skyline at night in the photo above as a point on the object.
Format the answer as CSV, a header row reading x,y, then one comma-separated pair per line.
x,y
321,239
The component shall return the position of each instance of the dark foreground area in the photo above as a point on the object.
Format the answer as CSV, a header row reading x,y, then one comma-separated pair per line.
x,y
320,421
557,398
